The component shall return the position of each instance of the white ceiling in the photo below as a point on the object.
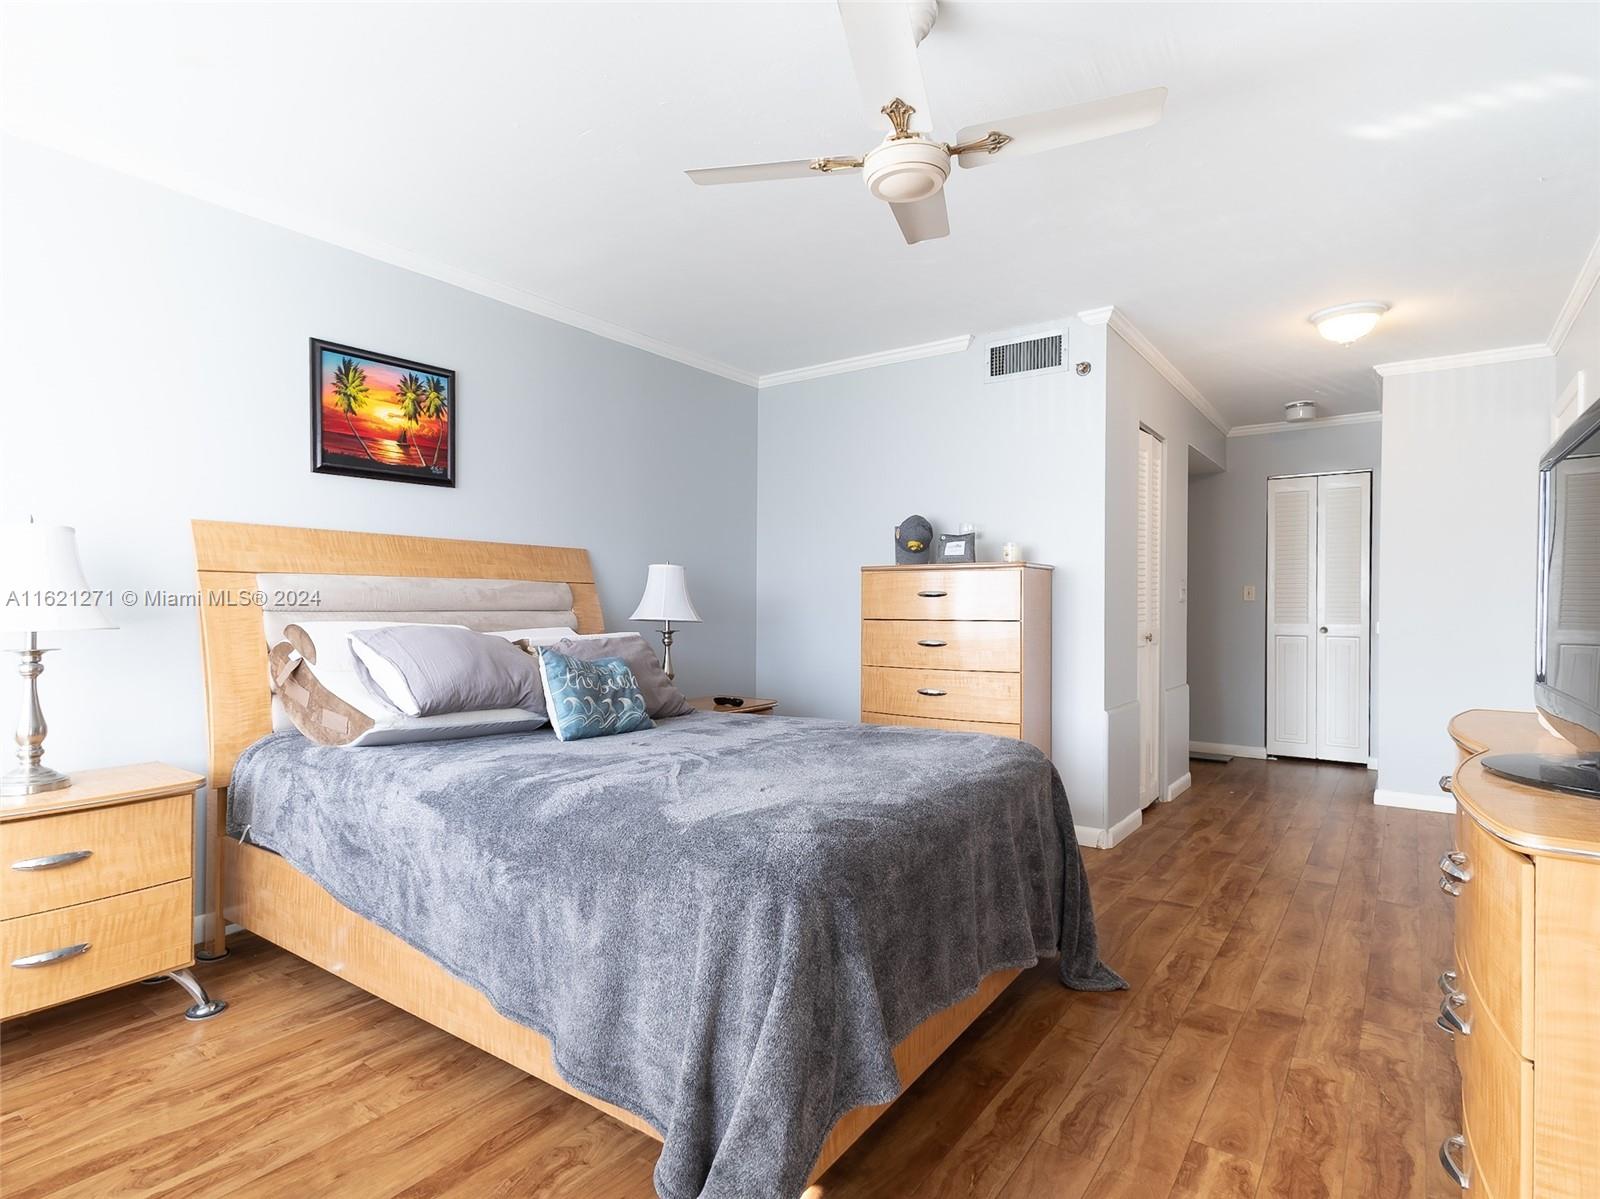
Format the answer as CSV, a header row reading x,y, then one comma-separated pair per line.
x,y
1444,158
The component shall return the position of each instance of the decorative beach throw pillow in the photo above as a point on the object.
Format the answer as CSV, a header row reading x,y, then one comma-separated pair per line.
x,y
591,699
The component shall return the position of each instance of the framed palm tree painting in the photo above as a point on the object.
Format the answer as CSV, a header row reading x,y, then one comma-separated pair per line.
x,y
381,417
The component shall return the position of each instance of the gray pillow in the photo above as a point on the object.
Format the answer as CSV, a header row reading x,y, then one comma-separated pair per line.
x,y
661,697
432,670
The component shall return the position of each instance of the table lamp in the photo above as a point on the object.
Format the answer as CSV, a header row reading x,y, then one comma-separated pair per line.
x,y
42,590
666,598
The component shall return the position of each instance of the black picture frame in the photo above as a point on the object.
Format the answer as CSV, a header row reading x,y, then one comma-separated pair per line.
x,y
367,401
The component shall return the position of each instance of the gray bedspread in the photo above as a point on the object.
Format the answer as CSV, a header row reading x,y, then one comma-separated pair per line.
x,y
722,924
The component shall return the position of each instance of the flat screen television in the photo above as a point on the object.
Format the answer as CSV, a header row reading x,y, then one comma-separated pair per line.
x,y
1567,643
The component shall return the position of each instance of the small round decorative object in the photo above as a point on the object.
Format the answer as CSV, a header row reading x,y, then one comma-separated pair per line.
x,y
913,540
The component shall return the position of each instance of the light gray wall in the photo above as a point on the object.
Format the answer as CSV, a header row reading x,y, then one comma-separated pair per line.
x,y
1137,395
1461,451
1228,549
156,364
844,458
1581,351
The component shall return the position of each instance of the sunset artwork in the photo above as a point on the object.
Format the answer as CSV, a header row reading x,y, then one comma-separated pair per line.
x,y
381,417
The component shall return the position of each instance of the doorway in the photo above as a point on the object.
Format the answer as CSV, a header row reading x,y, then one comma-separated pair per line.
x,y
1147,647
1319,615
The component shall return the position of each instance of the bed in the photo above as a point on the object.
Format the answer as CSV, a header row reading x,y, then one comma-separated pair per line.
x,y
759,1035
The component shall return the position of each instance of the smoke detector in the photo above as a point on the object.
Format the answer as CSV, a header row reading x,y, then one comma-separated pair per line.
x,y
1300,410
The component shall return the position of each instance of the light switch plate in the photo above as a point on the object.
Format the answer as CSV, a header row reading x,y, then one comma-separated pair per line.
x,y
1249,593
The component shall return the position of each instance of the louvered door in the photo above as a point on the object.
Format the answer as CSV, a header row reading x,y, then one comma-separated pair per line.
x,y
1147,648
1344,587
1291,616
1319,587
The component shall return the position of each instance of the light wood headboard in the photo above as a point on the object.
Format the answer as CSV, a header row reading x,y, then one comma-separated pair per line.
x,y
233,645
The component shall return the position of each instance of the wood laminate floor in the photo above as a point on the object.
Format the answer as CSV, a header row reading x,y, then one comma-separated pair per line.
x,y
1281,933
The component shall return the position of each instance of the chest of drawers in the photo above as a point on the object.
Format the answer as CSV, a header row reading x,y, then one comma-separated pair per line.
x,y
1522,998
958,647
96,888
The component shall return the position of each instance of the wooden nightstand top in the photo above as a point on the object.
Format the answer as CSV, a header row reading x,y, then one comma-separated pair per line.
x,y
102,788
706,703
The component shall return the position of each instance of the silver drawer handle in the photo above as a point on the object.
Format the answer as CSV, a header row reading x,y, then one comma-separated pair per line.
x,y
1445,784
1459,1174
933,594
50,956
929,691
930,643
1447,982
1448,1021
1454,866
1448,887
51,861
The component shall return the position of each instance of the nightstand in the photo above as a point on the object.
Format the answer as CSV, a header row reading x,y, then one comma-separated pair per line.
x,y
750,707
98,888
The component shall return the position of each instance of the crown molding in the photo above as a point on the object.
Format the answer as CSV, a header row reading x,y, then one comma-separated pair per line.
x,y
1417,366
1321,422
1582,286
346,238
1118,321
862,362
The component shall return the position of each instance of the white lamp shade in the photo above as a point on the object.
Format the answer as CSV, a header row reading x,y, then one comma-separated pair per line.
x,y
42,588
666,596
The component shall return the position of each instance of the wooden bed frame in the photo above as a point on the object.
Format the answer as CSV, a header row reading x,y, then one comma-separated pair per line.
x,y
262,893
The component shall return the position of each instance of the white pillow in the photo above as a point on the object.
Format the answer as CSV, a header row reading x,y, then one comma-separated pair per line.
x,y
535,637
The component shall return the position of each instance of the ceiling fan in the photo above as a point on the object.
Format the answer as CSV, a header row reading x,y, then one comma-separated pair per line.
x,y
908,169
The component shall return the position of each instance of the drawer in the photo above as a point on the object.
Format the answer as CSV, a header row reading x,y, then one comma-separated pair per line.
x,y
1013,731
989,698
129,937
128,847
1494,929
1496,1103
934,594
943,644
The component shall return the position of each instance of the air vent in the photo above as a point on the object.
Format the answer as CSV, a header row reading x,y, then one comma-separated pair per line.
x,y
1022,357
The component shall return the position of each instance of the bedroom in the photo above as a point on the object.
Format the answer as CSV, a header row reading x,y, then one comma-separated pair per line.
x,y
466,202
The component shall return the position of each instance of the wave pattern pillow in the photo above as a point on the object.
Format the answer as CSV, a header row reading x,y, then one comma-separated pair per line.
x,y
591,699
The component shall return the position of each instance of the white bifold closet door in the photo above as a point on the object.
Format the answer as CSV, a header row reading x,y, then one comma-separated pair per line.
x,y
1319,619
1147,647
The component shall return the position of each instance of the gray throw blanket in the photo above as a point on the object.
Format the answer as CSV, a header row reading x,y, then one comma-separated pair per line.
x,y
722,924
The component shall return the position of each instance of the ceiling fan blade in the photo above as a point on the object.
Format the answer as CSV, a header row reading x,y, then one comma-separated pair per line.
x,y
883,50
757,172
1058,127
923,220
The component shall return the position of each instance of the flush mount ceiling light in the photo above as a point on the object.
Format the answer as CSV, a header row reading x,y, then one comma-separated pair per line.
x,y
1298,410
1345,323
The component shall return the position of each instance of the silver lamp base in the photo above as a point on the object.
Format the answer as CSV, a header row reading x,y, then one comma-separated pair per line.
x,y
31,780
29,776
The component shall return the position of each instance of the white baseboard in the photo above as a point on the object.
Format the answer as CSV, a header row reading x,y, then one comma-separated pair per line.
x,y
1106,838
1414,800
1178,786
1237,751
1372,763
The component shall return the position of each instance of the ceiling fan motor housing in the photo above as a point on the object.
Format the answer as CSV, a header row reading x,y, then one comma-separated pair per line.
x,y
905,170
